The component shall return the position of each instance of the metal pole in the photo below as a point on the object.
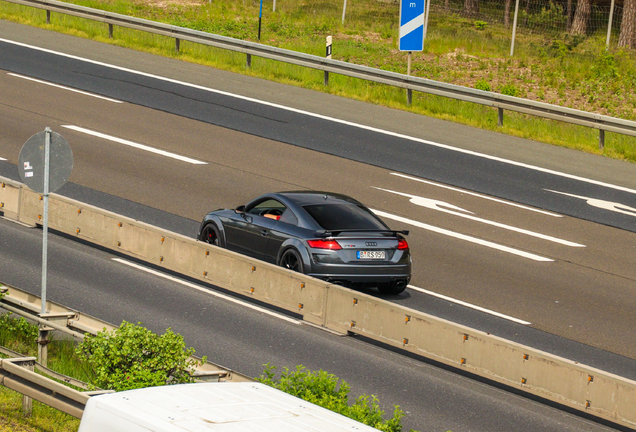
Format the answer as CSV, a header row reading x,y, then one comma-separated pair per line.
x,y
601,139
45,215
428,8
514,29
409,92
274,7
609,26
260,16
344,11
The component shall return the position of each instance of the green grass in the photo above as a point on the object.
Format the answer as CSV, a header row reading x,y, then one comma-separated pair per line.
x,y
554,68
20,336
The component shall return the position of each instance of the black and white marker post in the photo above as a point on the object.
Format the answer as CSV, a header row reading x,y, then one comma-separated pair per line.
x,y
328,55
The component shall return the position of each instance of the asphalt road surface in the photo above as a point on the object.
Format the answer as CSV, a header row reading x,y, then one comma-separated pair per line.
x,y
243,338
541,238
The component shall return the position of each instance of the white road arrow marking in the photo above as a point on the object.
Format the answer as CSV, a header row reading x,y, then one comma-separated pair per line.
x,y
444,207
605,205
467,192
475,240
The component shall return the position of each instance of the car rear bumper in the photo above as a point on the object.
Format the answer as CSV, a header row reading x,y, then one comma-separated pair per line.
x,y
349,274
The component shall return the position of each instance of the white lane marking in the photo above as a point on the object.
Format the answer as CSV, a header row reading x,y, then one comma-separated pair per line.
x,y
207,291
439,206
606,205
1,158
332,119
63,87
136,145
469,305
463,237
476,194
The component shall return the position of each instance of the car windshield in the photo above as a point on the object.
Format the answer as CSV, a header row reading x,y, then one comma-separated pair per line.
x,y
343,217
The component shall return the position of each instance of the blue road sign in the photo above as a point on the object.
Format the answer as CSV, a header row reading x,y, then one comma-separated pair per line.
x,y
412,25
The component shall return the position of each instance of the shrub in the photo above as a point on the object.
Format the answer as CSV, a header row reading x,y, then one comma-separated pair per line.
x,y
483,85
510,90
16,330
324,389
480,25
133,357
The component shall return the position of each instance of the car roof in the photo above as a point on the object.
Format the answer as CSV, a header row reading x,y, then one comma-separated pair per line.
x,y
303,198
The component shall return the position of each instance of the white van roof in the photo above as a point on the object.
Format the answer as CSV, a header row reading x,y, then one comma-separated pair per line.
x,y
204,407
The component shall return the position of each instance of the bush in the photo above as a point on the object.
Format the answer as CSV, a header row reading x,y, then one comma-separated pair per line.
x,y
16,330
480,25
133,357
510,90
483,85
321,388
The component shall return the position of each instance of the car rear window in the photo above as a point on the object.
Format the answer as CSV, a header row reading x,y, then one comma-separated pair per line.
x,y
343,217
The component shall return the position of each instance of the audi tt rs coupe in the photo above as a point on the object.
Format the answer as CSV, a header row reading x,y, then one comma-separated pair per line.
x,y
325,235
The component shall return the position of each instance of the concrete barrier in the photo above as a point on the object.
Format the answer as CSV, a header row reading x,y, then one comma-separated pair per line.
x,y
560,380
10,198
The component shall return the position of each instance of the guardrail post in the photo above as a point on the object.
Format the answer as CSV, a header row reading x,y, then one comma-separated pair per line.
x,y
43,341
499,117
27,402
48,17
110,30
601,139
177,44
248,62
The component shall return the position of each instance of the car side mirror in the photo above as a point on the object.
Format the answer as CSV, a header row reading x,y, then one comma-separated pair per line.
x,y
240,209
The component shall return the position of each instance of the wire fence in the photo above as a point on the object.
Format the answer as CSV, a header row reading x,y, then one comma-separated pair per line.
x,y
536,16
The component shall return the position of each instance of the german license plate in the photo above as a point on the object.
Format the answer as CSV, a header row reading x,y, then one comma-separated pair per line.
x,y
371,254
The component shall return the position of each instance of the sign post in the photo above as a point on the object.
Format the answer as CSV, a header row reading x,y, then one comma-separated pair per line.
x,y
45,164
411,32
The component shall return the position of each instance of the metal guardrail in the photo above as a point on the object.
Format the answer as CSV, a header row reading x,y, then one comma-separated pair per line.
x,y
20,373
501,102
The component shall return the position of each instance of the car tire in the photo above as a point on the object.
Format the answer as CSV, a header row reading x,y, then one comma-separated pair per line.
x,y
291,260
211,234
391,288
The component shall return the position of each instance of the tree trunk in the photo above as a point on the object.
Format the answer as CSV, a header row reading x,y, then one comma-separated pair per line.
x,y
581,17
507,13
471,7
627,37
569,12
446,4
525,20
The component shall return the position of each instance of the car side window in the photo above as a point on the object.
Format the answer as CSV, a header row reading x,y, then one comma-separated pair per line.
x,y
289,217
269,208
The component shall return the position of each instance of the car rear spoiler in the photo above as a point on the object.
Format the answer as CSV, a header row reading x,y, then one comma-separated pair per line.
x,y
334,233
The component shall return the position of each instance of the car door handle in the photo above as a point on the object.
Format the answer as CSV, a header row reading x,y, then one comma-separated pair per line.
x,y
264,233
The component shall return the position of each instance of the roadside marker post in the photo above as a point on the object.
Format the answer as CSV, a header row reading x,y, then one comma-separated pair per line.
x,y
328,55
411,32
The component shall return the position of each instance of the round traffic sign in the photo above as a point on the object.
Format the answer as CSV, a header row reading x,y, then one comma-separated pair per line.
x,y
31,162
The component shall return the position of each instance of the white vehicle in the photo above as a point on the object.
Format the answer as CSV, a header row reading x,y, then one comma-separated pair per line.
x,y
227,407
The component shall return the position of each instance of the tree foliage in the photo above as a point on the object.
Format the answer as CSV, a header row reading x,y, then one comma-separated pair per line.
x,y
327,391
133,357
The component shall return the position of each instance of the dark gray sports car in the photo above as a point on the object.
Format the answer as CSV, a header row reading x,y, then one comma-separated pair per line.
x,y
325,235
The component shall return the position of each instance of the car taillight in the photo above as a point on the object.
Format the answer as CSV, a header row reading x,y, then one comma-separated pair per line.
x,y
402,244
324,244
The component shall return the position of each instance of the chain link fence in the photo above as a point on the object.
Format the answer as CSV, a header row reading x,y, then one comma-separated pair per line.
x,y
537,16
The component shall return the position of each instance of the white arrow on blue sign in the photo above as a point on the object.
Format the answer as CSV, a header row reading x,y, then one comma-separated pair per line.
x,y
412,25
